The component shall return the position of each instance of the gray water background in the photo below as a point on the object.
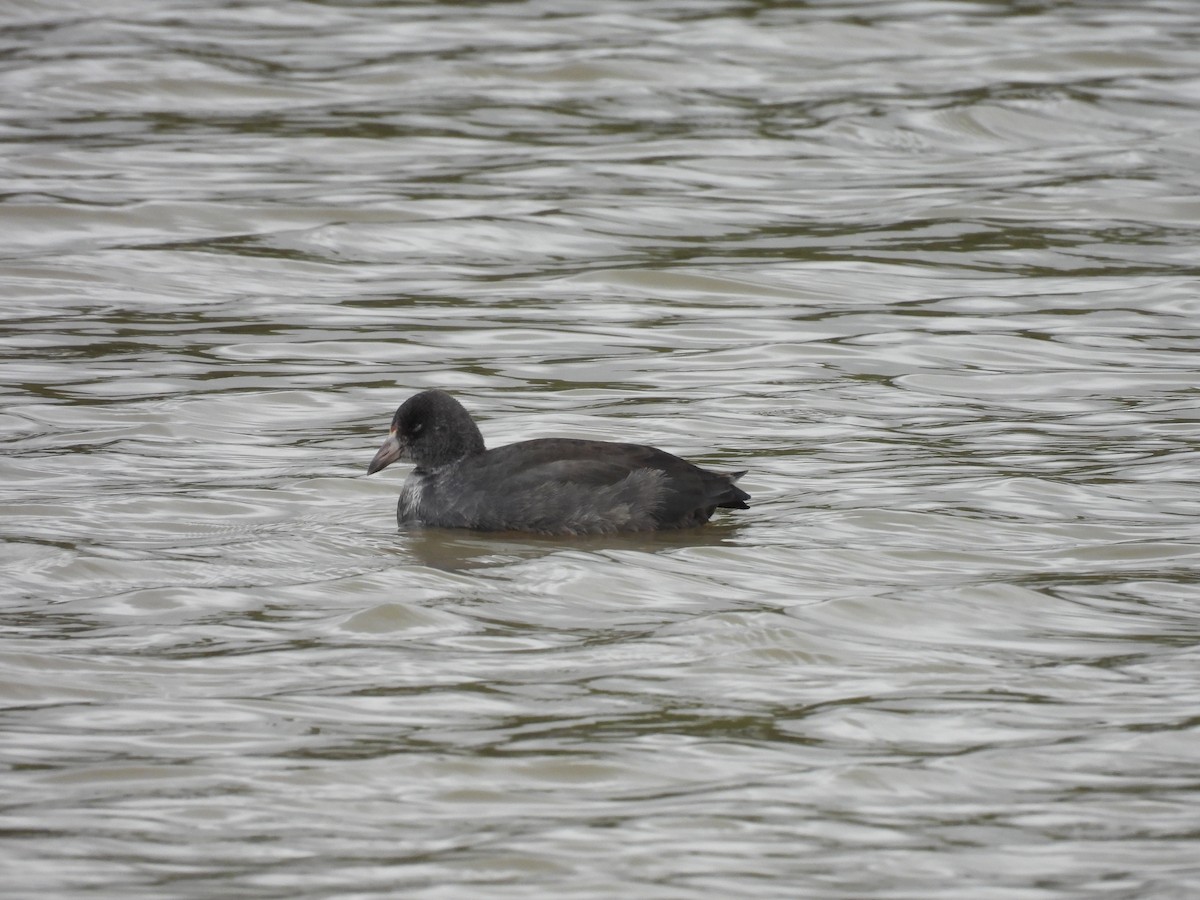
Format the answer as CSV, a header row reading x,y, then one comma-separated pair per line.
x,y
928,270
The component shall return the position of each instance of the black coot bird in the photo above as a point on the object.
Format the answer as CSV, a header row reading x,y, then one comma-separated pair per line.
x,y
549,486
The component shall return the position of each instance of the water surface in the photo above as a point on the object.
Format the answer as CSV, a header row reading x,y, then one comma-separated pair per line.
x,y
927,270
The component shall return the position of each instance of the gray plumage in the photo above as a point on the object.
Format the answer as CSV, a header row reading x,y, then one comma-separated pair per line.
x,y
548,486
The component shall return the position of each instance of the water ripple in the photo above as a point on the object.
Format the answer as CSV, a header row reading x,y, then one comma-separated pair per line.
x,y
927,271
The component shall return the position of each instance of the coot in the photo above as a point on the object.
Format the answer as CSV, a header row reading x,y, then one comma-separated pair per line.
x,y
549,486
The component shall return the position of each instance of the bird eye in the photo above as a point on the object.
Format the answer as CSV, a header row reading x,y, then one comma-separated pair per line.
x,y
416,427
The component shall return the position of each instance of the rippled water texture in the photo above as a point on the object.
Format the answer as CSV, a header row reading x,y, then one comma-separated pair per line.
x,y
928,270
